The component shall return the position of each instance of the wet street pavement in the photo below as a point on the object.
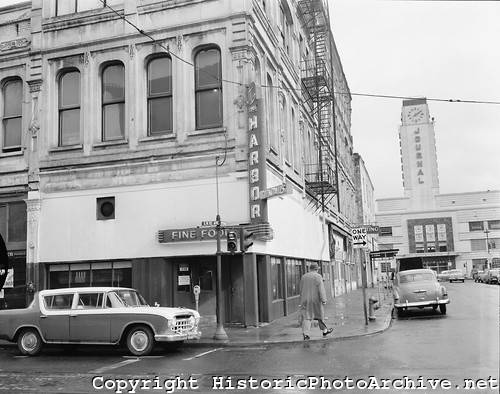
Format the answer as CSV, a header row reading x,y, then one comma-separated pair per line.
x,y
424,346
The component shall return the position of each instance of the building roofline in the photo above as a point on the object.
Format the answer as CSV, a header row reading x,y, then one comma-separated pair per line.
x,y
12,7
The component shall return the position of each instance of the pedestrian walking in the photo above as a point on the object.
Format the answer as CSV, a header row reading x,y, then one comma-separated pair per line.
x,y
312,300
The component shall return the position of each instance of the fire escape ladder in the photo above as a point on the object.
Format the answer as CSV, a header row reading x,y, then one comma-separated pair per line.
x,y
320,176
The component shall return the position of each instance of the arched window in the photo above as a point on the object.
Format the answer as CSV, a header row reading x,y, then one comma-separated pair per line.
x,y
160,96
113,102
12,92
208,88
69,108
270,105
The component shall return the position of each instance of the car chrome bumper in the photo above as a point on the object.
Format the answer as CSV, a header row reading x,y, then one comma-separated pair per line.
x,y
178,337
421,303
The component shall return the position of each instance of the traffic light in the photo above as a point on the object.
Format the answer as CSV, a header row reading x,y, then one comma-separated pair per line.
x,y
246,240
231,242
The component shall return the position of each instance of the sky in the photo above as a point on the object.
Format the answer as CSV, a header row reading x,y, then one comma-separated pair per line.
x,y
433,49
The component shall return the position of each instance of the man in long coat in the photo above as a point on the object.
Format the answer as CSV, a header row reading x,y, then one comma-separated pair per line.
x,y
312,299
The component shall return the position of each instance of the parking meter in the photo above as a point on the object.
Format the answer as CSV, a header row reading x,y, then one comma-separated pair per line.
x,y
196,291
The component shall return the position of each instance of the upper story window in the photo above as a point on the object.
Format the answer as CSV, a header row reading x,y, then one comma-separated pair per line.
x,y
208,88
12,94
160,96
494,224
385,231
64,7
270,106
113,102
69,108
476,226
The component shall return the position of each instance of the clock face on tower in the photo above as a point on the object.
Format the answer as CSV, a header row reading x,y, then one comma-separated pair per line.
x,y
415,114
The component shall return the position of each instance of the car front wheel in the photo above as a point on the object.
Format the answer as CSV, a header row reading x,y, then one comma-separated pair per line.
x,y
140,341
29,342
442,309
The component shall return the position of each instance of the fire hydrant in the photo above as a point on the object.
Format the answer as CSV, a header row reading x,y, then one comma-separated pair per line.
x,y
371,308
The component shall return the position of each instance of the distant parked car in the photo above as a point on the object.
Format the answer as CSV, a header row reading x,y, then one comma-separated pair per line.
x,y
483,276
443,276
96,315
493,276
418,289
456,276
476,275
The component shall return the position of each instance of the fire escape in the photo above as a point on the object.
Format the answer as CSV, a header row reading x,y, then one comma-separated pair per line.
x,y
317,85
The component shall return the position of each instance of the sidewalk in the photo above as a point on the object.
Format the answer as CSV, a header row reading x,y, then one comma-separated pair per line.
x,y
344,313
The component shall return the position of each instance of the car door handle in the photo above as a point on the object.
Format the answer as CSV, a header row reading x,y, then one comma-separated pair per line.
x,y
73,315
43,316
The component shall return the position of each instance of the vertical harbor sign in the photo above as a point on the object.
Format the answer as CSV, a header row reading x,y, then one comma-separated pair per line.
x,y
256,157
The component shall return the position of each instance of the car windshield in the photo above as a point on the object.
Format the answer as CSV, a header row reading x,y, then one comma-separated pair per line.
x,y
421,276
130,298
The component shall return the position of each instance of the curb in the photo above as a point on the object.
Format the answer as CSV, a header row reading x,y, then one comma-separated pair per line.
x,y
385,326
226,344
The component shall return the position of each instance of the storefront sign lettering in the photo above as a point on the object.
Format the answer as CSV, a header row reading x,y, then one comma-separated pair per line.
x,y
420,164
256,158
190,234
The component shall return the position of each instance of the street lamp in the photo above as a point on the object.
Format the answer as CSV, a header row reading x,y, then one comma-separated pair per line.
x,y
487,248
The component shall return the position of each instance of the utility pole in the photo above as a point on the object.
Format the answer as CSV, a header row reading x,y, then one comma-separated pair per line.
x,y
220,333
487,248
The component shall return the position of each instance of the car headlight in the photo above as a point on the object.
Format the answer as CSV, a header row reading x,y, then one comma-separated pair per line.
x,y
443,291
170,323
192,321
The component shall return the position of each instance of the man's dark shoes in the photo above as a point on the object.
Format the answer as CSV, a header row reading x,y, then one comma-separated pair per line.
x,y
327,332
306,337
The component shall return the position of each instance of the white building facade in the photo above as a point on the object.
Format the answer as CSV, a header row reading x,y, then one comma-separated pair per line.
x,y
126,137
459,230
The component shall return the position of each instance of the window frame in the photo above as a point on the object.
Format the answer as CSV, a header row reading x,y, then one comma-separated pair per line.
x,y
385,233
151,97
113,101
208,87
471,225
61,109
4,117
493,224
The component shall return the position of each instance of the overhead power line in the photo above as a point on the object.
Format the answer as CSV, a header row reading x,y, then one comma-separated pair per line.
x,y
374,95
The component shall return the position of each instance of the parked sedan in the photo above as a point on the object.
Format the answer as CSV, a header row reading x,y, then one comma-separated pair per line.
x,y
493,276
419,289
483,276
96,315
456,275
443,276
476,274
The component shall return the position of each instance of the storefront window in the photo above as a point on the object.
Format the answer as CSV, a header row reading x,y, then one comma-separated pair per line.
x,y
91,274
277,278
293,276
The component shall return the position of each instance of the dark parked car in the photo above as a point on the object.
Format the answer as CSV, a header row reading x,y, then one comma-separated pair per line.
x,y
96,315
492,276
418,289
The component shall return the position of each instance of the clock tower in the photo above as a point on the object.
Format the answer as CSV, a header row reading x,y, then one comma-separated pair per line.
x,y
418,154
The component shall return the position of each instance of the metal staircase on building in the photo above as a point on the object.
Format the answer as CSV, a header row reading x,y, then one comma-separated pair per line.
x,y
317,84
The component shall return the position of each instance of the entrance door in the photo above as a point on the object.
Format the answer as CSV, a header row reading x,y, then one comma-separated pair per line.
x,y
236,300
201,272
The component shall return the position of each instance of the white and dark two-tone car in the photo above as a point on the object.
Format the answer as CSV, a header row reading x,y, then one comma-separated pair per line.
x,y
96,315
419,288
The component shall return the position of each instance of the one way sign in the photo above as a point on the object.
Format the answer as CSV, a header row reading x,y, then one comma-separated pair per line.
x,y
359,237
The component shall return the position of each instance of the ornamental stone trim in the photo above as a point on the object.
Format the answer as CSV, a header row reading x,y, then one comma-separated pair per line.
x,y
14,44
